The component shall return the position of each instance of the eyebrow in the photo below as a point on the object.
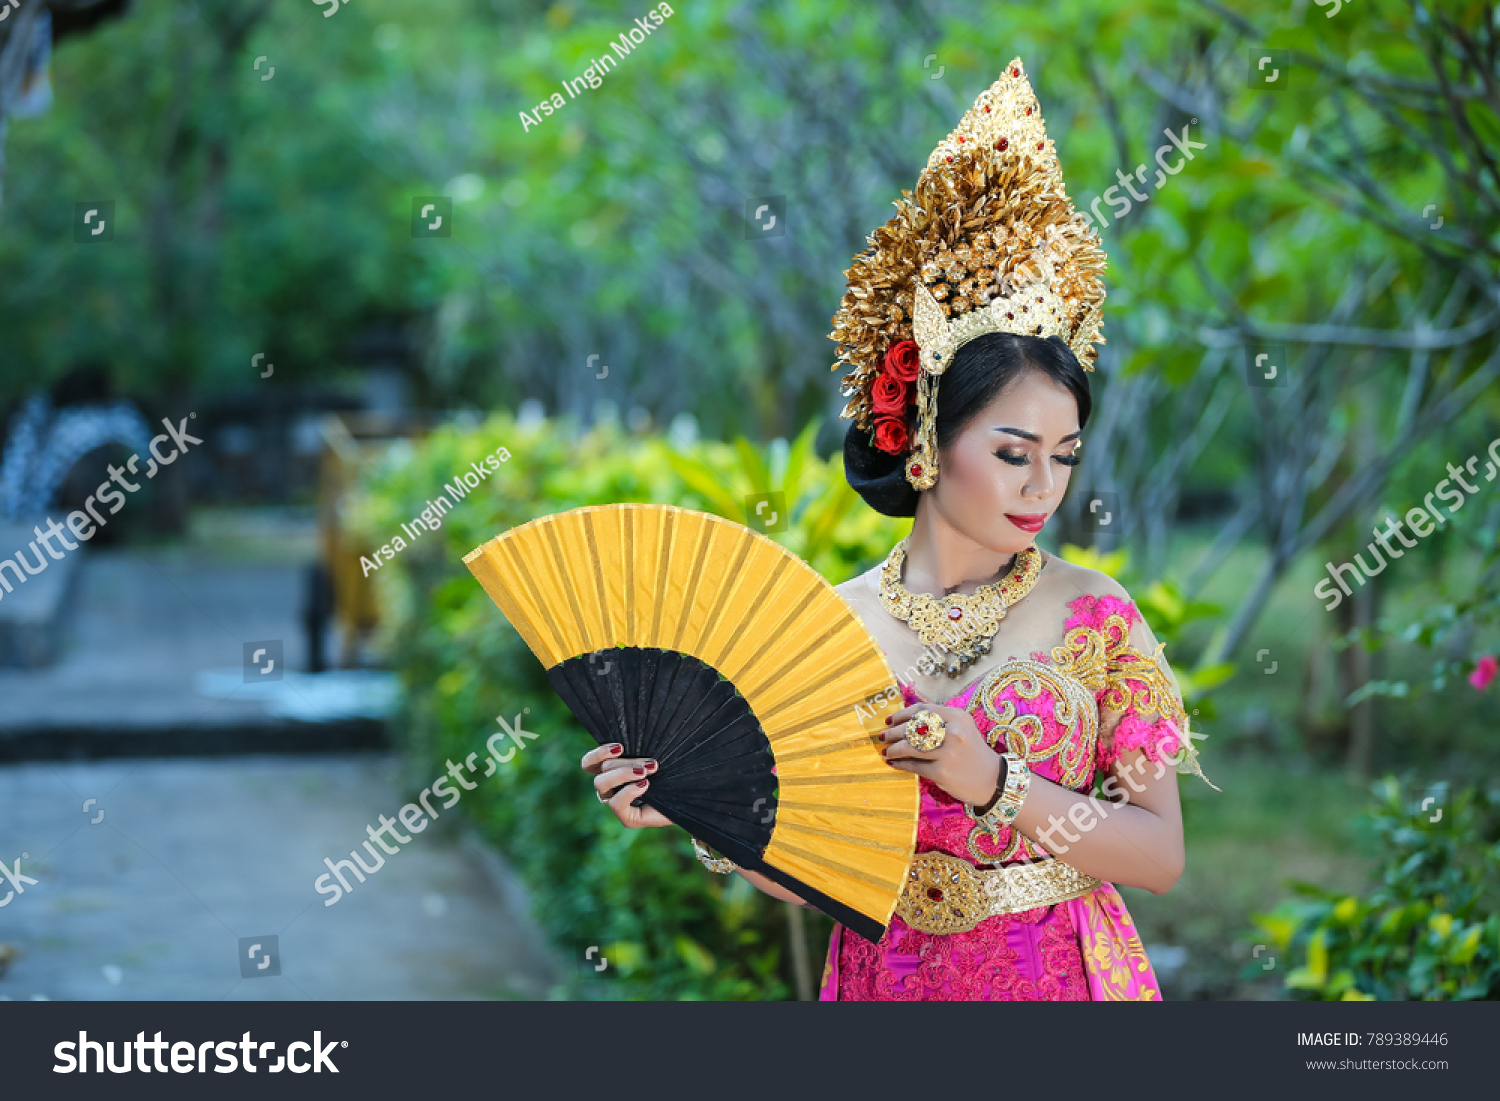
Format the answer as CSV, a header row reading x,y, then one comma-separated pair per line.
x,y
1033,437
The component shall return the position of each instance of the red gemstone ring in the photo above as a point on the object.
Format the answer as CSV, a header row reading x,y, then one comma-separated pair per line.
x,y
926,730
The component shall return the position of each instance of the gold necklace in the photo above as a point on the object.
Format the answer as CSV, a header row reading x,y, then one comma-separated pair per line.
x,y
963,624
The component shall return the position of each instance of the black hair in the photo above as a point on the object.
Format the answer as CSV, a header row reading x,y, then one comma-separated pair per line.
x,y
980,370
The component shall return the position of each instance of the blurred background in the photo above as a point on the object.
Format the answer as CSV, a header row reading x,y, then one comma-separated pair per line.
x,y
344,253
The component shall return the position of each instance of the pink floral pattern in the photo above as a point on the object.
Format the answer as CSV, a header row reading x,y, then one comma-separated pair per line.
x,y
1028,957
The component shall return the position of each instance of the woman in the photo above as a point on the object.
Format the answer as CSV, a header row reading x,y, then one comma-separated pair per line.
x,y
1027,679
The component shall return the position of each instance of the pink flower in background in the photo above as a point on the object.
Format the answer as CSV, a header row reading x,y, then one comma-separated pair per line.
x,y
1484,671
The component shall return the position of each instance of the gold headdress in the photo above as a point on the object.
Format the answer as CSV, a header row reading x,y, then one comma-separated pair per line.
x,y
988,242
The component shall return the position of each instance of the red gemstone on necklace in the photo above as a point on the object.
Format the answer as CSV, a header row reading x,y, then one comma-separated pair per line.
x,y
935,894
1004,144
1015,72
955,613
1028,110
917,469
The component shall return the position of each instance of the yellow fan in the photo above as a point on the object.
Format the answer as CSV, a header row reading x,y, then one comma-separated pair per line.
x,y
695,641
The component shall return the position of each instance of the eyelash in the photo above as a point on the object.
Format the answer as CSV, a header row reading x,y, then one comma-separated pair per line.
x,y
1021,460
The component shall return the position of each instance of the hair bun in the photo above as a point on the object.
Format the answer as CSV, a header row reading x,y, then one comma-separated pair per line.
x,y
878,476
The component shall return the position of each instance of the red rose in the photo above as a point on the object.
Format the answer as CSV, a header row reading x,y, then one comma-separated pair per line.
x,y
903,360
888,396
891,435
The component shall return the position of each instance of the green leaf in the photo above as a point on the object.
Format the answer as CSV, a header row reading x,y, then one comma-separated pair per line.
x,y
1317,956
1467,948
753,465
796,459
702,480
1198,681
694,954
826,513
1114,563
1304,979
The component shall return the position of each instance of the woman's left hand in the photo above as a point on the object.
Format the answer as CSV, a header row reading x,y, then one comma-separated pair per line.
x,y
964,765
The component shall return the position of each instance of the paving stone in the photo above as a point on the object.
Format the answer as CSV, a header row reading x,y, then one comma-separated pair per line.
x,y
189,858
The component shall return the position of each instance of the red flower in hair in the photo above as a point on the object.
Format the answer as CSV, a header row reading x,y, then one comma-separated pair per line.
x,y
903,360
888,396
891,435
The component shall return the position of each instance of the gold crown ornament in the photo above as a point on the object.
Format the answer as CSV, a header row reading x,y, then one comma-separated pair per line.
x,y
988,242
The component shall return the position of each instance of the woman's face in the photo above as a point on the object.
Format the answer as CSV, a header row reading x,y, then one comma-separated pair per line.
x,y
1007,471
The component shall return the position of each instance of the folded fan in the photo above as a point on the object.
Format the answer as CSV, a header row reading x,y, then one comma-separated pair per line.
x,y
707,647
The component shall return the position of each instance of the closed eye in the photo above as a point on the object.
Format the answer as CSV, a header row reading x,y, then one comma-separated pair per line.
x,y
1022,459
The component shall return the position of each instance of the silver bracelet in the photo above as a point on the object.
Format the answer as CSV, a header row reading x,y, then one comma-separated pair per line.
x,y
1008,803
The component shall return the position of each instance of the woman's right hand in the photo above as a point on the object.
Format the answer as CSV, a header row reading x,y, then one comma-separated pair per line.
x,y
619,780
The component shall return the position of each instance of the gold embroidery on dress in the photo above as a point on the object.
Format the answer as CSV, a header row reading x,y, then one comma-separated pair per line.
x,y
1090,659
1153,698
1122,664
1113,957
1073,705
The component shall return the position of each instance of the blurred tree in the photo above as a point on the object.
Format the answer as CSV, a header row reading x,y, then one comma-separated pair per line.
x,y
1386,132
28,29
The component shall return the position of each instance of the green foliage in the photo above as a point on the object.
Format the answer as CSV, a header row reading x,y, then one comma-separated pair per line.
x,y
669,928
1430,930
243,221
1440,626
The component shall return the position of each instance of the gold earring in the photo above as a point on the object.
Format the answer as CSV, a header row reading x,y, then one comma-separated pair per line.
x,y
922,465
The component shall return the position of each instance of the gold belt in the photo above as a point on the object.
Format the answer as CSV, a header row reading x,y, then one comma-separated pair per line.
x,y
944,894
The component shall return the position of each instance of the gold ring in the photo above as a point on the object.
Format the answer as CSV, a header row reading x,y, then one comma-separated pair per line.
x,y
926,730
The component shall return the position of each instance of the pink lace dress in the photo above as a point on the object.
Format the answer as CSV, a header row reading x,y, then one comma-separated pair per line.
x,y
1048,711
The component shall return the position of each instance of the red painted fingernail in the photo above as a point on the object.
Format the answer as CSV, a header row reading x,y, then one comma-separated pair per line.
x,y
650,766
616,749
641,783
638,771
888,720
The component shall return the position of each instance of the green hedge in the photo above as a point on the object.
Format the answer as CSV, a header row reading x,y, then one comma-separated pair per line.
x,y
1430,929
669,928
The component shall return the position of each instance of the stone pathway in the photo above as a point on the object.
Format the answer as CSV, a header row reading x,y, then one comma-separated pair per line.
x,y
192,862
151,657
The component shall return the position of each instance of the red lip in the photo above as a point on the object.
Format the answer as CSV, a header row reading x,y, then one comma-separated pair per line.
x,y
1030,522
